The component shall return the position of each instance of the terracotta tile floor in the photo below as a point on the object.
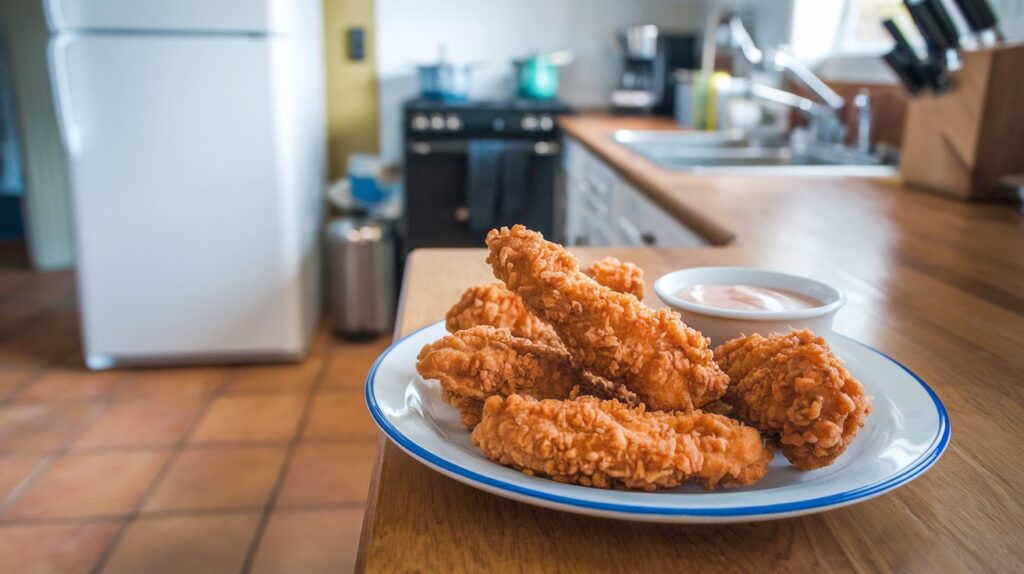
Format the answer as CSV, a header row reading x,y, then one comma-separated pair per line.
x,y
221,469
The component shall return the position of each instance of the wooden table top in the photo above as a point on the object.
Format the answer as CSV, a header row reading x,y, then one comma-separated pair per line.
x,y
934,283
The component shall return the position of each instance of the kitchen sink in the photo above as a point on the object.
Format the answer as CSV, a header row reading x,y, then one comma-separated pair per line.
x,y
729,153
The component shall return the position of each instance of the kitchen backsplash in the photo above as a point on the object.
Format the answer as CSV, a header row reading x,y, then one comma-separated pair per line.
x,y
494,32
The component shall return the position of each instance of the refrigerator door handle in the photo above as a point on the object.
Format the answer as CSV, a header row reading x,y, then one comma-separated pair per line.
x,y
52,12
57,54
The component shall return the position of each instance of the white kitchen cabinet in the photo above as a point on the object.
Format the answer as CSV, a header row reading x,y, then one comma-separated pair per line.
x,y
590,189
604,210
641,222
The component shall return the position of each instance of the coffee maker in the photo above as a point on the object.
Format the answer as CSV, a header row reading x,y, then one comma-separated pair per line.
x,y
643,70
650,56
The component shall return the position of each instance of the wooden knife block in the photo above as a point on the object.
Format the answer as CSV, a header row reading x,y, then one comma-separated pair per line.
x,y
962,142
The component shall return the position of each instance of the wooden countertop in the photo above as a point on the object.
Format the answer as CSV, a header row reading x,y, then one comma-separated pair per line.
x,y
748,209
937,284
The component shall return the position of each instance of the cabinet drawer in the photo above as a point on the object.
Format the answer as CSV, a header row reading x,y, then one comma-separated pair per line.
x,y
574,158
600,180
639,221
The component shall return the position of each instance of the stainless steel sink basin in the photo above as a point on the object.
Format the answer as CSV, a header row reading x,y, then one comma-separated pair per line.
x,y
725,153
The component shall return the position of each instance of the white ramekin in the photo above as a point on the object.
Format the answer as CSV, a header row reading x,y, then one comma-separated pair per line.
x,y
720,325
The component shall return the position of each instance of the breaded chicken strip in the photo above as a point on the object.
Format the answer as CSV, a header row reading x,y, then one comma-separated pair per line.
x,y
492,304
792,386
616,275
610,445
653,353
476,363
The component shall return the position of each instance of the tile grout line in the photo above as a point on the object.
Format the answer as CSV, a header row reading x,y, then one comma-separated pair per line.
x,y
132,516
121,389
9,398
209,445
104,518
271,504
104,403
48,460
116,391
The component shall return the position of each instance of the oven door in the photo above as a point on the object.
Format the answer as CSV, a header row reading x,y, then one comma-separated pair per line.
x,y
436,206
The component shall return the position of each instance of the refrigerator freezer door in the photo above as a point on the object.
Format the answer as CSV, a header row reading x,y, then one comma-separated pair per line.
x,y
187,212
213,16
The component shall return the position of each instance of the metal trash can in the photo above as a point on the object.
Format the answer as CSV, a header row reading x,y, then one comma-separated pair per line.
x,y
361,274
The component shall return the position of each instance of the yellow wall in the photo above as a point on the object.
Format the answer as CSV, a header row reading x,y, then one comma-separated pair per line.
x,y
351,86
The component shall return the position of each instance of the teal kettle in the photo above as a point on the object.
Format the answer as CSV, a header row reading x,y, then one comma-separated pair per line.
x,y
537,76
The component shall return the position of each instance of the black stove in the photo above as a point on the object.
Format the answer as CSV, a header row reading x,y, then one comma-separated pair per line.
x,y
442,142
427,119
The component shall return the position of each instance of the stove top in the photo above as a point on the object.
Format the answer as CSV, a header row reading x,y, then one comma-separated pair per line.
x,y
515,104
430,119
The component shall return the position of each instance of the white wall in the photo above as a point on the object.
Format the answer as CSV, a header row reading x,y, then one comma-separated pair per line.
x,y
495,32
1011,18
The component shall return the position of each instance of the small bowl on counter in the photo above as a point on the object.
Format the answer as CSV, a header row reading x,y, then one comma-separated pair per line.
x,y
726,302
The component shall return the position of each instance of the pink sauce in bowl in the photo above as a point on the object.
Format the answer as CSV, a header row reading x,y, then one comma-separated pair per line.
x,y
726,302
746,297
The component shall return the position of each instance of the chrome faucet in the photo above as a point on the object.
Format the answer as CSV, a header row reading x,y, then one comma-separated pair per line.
x,y
824,115
862,103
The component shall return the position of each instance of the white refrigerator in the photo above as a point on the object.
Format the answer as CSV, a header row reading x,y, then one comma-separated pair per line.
x,y
195,139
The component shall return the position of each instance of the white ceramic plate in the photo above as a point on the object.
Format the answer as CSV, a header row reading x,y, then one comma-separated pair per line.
x,y
902,438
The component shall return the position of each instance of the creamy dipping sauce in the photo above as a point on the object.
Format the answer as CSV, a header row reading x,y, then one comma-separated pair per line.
x,y
746,297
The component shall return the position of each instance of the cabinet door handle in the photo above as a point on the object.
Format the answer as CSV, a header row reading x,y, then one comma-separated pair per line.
x,y
595,204
631,231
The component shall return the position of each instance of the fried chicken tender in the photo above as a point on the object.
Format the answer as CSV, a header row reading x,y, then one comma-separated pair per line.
x,y
792,386
492,304
616,275
610,445
653,353
476,363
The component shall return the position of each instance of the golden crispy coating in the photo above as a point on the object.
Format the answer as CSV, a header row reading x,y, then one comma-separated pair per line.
x,y
476,363
616,275
610,445
792,386
492,304
653,353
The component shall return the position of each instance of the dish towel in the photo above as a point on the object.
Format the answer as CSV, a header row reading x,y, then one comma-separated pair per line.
x,y
483,183
515,182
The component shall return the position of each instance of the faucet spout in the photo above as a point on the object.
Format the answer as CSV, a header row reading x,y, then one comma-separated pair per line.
x,y
783,62
826,123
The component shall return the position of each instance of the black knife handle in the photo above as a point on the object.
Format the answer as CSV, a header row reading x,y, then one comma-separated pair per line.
x,y
902,45
977,13
934,71
929,28
905,69
945,23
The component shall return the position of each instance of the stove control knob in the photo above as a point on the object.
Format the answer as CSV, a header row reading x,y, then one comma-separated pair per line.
x,y
420,123
498,124
437,122
453,123
546,123
530,123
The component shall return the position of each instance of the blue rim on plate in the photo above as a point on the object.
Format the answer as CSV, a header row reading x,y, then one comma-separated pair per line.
x,y
923,463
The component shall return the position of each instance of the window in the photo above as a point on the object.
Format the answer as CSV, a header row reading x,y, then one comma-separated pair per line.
x,y
828,28
861,30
